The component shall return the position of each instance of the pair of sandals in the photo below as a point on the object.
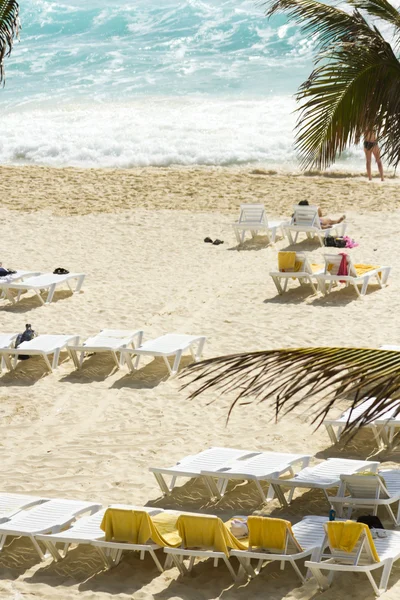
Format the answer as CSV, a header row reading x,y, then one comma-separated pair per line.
x,y
60,271
378,533
215,242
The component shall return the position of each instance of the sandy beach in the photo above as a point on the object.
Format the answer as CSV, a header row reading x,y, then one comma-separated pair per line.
x,y
93,434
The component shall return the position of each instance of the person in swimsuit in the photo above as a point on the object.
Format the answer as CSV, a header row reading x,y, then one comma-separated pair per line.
x,y
326,222
371,147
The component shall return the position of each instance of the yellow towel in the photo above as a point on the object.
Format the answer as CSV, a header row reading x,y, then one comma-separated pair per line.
x,y
315,268
138,527
344,535
287,262
265,532
208,533
362,269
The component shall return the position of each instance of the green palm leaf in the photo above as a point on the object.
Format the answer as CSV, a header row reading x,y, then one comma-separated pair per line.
x,y
355,86
9,29
290,377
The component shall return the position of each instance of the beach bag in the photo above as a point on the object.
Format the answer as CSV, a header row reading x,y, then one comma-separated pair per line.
x,y
26,336
239,528
372,521
4,272
329,241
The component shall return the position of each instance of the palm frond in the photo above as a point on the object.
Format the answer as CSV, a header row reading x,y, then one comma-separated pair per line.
x,y
382,9
327,22
9,29
290,377
356,89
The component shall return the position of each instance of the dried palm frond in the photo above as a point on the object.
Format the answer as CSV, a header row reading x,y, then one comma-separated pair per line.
x,y
291,376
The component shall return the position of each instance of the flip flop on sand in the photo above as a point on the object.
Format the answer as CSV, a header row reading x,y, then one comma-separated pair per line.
x,y
208,240
217,242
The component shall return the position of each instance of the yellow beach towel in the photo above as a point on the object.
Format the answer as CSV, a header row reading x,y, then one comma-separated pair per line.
x,y
265,532
287,262
362,269
344,535
201,531
138,527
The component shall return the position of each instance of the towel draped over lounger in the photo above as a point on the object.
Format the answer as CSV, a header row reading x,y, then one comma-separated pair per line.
x,y
138,527
266,532
344,535
200,531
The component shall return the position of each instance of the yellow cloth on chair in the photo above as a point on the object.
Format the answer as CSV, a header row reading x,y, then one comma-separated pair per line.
x,y
265,532
207,533
138,527
315,267
362,269
287,262
344,535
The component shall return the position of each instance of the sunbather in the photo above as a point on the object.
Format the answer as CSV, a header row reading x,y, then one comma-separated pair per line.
x,y
326,222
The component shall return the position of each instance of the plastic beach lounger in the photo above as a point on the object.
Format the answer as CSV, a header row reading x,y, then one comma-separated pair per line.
x,y
304,540
45,282
210,460
11,504
359,276
305,219
368,556
304,273
42,345
253,218
6,341
171,344
324,476
49,517
380,427
83,531
108,340
369,491
260,467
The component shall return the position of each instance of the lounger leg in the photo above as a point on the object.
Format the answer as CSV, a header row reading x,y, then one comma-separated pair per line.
x,y
200,348
331,432
297,570
161,482
39,295
79,284
385,577
46,360
178,561
2,541
212,487
56,358
37,547
277,284
364,286
230,568
280,494
157,562
322,581
106,561
289,237
177,361
261,491
50,294
115,357
74,356
237,235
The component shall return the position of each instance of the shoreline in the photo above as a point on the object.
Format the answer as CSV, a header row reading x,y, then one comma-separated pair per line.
x,y
81,191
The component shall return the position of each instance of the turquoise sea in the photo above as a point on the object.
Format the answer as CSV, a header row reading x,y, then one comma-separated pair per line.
x,y
153,82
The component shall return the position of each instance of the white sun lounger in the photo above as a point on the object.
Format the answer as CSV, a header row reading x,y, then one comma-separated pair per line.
x,y
49,517
306,541
305,219
11,504
42,345
369,491
85,530
108,340
45,282
360,560
260,467
378,426
6,341
324,476
252,218
305,274
192,466
171,344
329,276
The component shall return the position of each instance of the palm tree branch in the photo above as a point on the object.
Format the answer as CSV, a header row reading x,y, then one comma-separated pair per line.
x,y
291,377
382,9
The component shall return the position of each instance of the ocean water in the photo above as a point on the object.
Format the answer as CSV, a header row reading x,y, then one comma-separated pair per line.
x,y
95,83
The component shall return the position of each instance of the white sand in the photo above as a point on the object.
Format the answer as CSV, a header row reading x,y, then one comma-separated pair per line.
x,y
92,435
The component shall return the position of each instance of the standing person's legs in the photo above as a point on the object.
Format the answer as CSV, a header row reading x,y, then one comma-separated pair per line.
x,y
368,155
377,155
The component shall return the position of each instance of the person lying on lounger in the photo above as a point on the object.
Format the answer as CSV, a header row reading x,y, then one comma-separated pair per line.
x,y
326,222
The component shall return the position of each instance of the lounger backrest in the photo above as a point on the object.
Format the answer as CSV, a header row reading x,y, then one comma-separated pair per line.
x,y
362,550
332,264
253,213
306,216
272,535
365,486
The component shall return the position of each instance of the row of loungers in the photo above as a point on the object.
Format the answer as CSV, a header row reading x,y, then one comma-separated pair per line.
x,y
323,277
217,466
53,525
42,284
305,219
122,344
